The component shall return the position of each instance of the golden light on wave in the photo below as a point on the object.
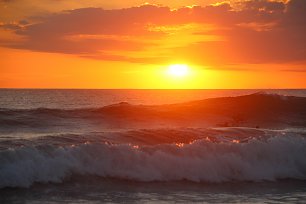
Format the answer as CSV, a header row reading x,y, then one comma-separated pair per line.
x,y
178,70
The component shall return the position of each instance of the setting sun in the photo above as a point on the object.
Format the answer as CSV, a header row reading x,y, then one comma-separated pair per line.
x,y
178,70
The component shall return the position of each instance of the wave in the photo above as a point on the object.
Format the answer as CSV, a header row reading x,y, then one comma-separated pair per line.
x,y
203,160
264,110
146,136
259,96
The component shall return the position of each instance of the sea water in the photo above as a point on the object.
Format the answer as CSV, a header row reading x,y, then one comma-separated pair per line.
x,y
152,146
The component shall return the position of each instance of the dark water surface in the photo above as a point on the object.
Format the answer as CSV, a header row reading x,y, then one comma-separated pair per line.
x,y
152,146
97,190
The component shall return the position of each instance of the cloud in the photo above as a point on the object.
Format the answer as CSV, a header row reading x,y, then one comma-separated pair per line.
x,y
256,31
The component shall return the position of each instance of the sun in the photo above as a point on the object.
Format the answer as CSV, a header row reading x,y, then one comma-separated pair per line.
x,y
178,70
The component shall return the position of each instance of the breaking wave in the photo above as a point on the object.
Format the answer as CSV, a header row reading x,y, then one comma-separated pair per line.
x,y
254,138
203,160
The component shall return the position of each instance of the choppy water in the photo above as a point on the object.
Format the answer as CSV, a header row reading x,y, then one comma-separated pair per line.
x,y
152,146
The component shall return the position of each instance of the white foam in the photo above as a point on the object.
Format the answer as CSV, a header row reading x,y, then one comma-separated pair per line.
x,y
279,157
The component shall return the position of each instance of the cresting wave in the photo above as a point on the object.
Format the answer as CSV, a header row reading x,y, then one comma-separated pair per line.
x,y
277,157
247,138
264,110
246,100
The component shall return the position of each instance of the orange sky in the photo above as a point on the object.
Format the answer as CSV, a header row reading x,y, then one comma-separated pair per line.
x,y
249,44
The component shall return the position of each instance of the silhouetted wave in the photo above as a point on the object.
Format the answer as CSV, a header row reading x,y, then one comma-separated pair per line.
x,y
262,110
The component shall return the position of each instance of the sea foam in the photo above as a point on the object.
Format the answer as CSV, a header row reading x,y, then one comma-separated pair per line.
x,y
278,157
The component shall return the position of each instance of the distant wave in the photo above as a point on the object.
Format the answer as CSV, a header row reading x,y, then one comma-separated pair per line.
x,y
203,160
265,110
155,136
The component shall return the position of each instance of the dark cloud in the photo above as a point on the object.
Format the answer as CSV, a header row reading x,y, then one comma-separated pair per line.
x,y
98,21
261,31
264,6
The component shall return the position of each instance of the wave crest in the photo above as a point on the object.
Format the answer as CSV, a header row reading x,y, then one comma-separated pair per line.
x,y
262,110
275,158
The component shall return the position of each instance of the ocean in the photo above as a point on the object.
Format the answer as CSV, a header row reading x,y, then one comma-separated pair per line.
x,y
152,146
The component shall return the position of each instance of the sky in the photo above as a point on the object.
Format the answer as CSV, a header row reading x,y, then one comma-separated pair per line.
x,y
238,44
